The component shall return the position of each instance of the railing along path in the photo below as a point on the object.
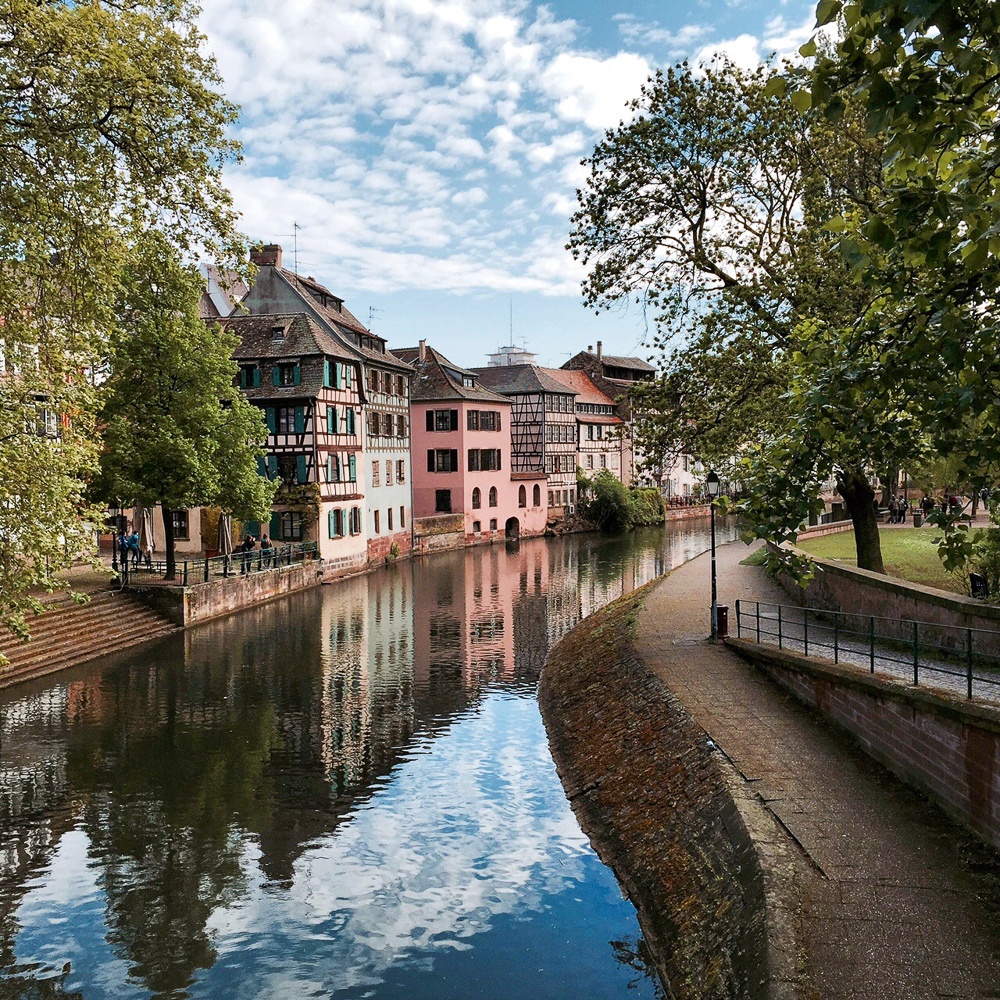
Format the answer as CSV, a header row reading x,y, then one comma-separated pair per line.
x,y
954,658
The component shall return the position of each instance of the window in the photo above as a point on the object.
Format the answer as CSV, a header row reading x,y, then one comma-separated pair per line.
x,y
493,524
402,385
402,517
249,377
332,420
45,423
493,496
590,432
489,420
472,420
352,469
550,498
484,459
442,420
377,528
333,469
477,499
350,418
442,460
373,424
290,526
388,519
536,496
522,496
180,522
335,523
401,427
477,527
590,461
604,460
355,523
442,501
401,470
375,474
388,472
287,374
289,419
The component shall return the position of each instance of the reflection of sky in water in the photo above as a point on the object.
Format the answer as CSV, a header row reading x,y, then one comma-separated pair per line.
x,y
379,815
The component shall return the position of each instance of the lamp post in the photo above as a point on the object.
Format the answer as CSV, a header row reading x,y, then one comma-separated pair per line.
x,y
114,538
712,486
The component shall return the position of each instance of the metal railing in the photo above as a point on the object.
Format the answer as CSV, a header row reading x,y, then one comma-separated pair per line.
x,y
963,660
190,572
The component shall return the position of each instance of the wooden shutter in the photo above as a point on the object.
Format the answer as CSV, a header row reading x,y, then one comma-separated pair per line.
x,y
430,420
296,374
347,376
498,459
454,455
256,378
430,459
271,418
300,419
275,524
276,373
272,466
302,473
261,465
352,466
331,524
454,420
351,424
243,378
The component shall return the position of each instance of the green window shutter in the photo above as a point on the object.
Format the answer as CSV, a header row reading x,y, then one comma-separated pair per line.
x,y
330,525
351,426
338,370
256,378
331,420
352,467
329,468
261,466
243,378
300,419
326,374
276,373
297,374
347,376
272,466
275,524
271,418
302,473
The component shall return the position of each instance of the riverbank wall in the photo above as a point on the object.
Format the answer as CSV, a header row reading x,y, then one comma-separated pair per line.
x,y
647,789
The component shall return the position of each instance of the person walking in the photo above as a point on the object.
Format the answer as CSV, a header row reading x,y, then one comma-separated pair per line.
x,y
247,549
893,510
266,551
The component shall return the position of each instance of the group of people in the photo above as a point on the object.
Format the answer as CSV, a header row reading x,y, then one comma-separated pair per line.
x,y
128,550
246,551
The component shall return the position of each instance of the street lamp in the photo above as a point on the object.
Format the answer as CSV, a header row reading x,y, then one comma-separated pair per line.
x,y
712,486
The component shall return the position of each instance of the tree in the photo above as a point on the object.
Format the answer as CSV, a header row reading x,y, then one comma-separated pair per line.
x,y
111,122
710,207
176,429
927,77
610,504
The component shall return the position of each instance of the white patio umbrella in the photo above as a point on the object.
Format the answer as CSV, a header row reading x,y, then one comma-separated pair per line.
x,y
144,523
224,542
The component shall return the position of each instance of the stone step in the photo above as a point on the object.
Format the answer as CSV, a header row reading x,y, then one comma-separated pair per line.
x,y
55,623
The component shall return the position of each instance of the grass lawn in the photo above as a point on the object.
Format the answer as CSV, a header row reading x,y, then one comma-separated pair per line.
x,y
908,553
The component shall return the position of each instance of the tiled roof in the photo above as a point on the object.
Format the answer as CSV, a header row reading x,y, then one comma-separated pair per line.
x,y
637,364
432,381
302,337
581,383
513,380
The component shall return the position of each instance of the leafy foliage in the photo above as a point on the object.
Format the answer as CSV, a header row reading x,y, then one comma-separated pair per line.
x,y
111,123
647,506
609,504
177,430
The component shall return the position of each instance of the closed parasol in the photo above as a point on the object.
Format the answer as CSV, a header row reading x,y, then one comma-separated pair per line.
x,y
143,521
225,540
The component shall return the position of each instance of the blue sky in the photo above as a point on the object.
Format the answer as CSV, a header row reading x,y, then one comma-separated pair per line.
x,y
429,150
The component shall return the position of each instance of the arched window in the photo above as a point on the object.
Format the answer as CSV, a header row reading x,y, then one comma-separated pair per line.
x,y
522,497
536,496
493,496
477,499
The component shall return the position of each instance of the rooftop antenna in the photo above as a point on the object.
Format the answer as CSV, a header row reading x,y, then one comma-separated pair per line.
x,y
295,245
372,313
512,319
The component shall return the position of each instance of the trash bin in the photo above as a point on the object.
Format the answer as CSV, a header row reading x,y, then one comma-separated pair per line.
x,y
722,619
918,519
978,587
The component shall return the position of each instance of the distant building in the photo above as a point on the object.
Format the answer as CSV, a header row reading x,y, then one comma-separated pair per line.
x,y
465,483
543,433
511,355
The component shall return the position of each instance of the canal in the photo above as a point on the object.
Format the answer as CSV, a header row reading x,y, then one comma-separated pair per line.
x,y
347,793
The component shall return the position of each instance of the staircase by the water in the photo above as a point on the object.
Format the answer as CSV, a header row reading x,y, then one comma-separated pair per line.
x,y
68,634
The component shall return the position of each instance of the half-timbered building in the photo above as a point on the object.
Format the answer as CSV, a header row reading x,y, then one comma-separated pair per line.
x,y
543,428
601,441
337,406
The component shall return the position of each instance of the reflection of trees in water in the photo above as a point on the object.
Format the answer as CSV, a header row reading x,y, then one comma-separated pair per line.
x,y
23,984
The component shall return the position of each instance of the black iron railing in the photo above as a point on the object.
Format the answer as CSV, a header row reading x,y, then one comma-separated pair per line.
x,y
189,572
961,659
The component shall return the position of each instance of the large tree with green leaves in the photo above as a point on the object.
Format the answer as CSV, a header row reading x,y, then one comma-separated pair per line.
x,y
709,208
111,122
177,432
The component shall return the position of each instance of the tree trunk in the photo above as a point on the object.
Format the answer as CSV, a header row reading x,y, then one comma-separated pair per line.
x,y
168,541
859,499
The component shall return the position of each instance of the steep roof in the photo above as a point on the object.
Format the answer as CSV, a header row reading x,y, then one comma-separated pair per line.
x,y
582,384
433,378
590,361
514,380
636,364
302,336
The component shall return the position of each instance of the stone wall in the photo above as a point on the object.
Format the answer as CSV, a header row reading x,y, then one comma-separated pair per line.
x,y
649,794
946,746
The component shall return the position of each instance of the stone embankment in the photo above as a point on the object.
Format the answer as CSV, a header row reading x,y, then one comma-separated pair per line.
x,y
67,634
648,791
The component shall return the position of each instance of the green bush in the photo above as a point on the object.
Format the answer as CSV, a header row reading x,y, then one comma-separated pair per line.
x,y
610,505
647,506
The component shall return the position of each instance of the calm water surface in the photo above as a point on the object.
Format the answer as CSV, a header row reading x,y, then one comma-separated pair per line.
x,y
347,793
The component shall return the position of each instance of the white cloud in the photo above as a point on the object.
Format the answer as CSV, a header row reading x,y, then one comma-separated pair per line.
x,y
678,44
593,90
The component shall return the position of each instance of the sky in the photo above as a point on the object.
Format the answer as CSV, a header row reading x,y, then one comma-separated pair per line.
x,y
424,155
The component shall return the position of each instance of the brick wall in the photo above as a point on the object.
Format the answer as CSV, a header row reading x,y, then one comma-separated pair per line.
x,y
947,747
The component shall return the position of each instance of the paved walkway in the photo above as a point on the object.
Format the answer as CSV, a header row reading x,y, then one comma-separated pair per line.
x,y
896,902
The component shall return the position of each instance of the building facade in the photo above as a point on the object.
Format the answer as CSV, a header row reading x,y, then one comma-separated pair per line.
x,y
464,479
601,439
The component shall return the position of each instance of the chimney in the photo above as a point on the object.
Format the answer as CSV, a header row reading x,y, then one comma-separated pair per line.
x,y
590,348
598,350
267,256
423,350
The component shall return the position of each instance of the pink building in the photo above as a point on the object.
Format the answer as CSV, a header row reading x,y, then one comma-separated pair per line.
x,y
464,489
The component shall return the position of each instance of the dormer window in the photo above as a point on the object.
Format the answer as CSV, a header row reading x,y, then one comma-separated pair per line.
x,y
277,333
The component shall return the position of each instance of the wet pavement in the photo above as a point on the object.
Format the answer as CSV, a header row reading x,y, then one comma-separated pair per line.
x,y
881,895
